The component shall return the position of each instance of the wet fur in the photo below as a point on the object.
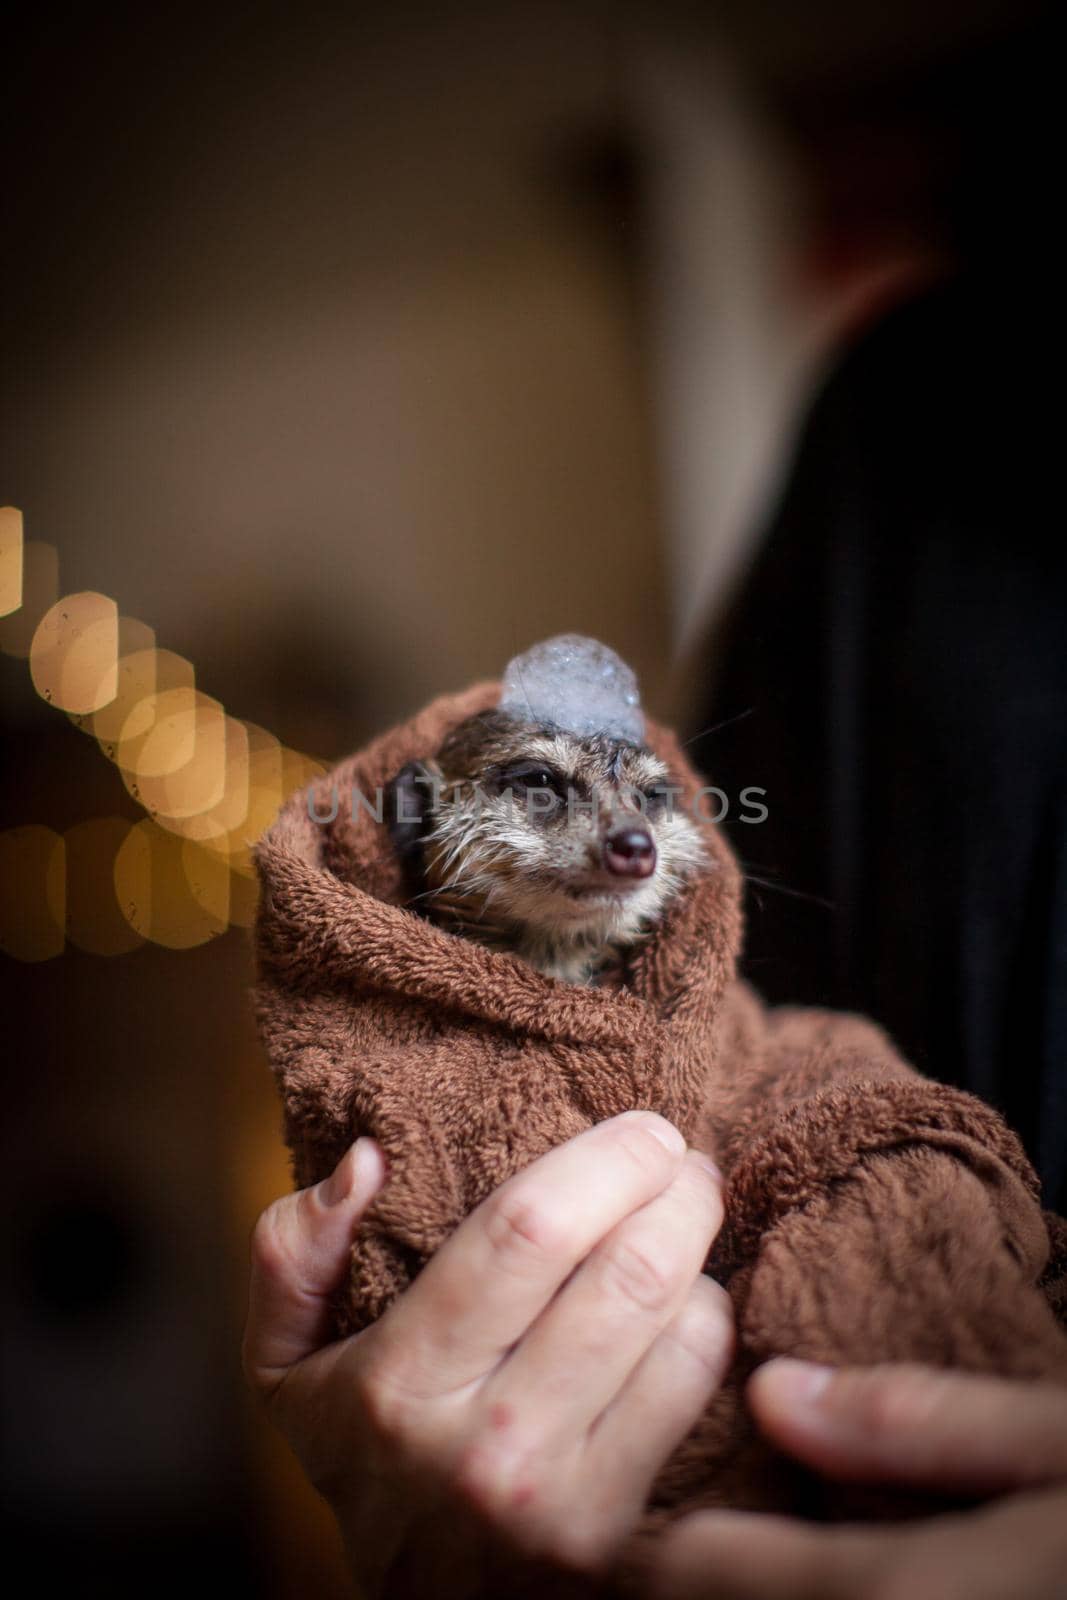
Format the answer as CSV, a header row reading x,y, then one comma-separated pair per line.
x,y
526,881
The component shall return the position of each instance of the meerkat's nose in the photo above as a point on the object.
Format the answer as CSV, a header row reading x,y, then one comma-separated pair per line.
x,y
630,853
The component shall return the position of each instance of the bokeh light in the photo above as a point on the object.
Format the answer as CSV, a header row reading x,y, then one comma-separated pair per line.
x,y
40,590
266,792
178,768
208,880
244,898
74,652
154,875
94,919
135,678
213,824
32,906
11,542
210,783
159,735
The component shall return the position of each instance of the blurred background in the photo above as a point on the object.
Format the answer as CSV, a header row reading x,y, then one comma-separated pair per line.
x,y
347,351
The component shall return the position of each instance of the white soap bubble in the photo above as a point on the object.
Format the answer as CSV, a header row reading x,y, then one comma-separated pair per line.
x,y
577,684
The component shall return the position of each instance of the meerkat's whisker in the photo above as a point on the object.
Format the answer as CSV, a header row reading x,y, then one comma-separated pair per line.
x,y
504,856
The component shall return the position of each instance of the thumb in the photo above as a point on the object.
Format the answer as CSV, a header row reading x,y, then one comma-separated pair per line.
x,y
953,1432
300,1252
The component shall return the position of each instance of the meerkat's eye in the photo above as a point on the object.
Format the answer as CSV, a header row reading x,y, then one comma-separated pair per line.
x,y
655,798
541,787
531,776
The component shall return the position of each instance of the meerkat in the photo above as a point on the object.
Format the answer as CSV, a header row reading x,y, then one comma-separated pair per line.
x,y
564,848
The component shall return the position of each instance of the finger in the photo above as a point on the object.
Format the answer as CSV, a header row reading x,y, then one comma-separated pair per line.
x,y
744,1555
664,1396
300,1251
580,1352
579,1494
1017,1546
495,1275
950,1431
1013,1547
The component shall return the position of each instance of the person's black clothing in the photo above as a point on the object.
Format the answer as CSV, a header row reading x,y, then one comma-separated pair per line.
x,y
902,644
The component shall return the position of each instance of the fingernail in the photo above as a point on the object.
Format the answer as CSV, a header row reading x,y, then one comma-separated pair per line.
x,y
704,1160
798,1383
342,1180
667,1134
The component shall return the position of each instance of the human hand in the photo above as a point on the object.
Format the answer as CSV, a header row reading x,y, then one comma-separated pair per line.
x,y
949,1432
536,1374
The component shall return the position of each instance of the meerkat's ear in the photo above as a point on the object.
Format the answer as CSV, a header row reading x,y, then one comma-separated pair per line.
x,y
408,805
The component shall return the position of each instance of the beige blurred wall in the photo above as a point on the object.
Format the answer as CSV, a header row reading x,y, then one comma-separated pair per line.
x,y
344,394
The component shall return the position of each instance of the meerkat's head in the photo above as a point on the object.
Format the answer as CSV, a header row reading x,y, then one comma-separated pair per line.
x,y
533,837
547,827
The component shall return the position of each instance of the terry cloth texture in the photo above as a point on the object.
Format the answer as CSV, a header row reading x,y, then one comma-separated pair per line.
x,y
871,1214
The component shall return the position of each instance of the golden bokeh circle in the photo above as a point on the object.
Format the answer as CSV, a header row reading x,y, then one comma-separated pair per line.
x,y
145,676
164,897
191,734
95,921
74,652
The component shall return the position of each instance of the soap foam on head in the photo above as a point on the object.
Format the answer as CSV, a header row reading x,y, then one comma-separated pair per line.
x,y
577,684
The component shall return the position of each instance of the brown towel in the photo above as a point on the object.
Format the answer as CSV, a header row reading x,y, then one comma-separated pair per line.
x,y
871,1214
